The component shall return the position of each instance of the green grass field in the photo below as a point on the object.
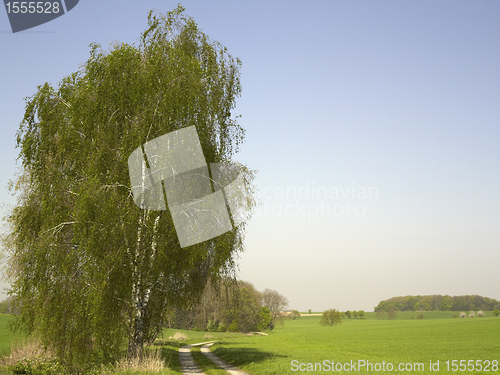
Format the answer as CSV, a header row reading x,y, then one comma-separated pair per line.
x,y
7,338
436,337
404,340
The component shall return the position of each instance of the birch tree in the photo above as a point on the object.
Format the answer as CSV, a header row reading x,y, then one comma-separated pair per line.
x,y
90,270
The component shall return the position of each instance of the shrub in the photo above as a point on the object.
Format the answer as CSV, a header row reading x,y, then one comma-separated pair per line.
x,y
392,314
480,314
454,315
265,319
361,314
462,314
412,316
496,312
294,315
472,314
380,314
234,326
222,327
31,358
420,315
211,326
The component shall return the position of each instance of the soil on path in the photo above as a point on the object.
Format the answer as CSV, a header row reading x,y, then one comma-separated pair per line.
x,y
189,366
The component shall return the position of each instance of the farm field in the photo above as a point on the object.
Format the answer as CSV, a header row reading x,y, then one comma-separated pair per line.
x,y
437,337
396,341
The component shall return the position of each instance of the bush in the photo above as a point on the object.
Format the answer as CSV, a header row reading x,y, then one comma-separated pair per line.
x,y
412,316
380,314
234,326
222,327
480,314
392,314
496,312
361,314
211,326
420,315
454,315
462,314
472,314
37,366
294,315
265,319
331,317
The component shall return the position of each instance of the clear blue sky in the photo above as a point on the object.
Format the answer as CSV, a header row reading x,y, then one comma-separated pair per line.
x,y
374,125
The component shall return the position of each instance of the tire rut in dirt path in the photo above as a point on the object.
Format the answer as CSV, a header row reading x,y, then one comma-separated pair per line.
x,y
189,366
233,370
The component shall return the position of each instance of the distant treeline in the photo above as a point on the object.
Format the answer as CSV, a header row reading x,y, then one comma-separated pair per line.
x,y
438,303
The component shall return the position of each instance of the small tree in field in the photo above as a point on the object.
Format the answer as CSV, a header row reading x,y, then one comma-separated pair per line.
x,y
496,312
331,317
361,314
480,314
354,314
348,314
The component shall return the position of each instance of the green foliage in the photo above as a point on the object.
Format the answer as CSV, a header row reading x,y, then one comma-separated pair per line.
x,y
265,319
420,315
496,312
233,327
212,326
37,366
436,302
348,314
361,314
330,318
392,314
295,314
309,311
93,271
222,327
222,303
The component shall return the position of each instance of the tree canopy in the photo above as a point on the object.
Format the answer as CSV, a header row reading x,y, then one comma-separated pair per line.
x,y
437,302
90,269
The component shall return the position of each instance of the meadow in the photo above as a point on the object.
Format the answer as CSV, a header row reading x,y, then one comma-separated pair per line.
x,y
437,337
304,344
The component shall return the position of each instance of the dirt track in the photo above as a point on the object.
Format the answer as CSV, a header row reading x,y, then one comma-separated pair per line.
x,y
189,366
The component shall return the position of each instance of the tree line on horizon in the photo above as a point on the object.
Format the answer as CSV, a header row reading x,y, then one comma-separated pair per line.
x,y
438,303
